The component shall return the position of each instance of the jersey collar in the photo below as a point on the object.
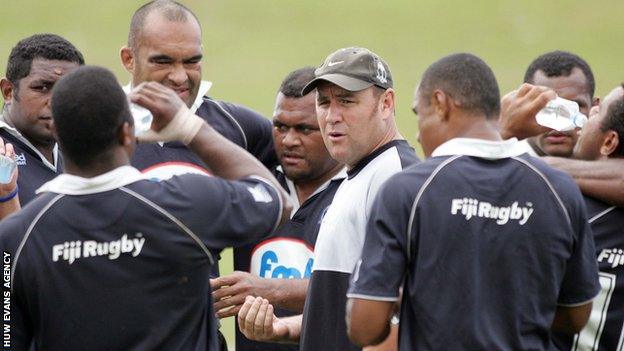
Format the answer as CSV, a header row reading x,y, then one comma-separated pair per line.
x,y
20,137
487,149
73,185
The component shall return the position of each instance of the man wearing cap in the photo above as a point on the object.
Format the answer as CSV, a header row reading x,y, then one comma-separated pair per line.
x,y
355,108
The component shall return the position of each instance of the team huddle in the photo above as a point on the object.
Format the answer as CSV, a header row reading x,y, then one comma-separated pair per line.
x,y
506,236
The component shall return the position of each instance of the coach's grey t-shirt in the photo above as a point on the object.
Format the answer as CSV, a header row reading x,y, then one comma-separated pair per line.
x,y
339,244
117,262
486,241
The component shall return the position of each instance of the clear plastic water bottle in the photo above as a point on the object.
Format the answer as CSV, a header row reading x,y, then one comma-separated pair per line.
x,y
142,118
7,167
561,115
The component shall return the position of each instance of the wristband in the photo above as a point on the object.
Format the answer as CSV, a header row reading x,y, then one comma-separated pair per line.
x,y
183,127
10,196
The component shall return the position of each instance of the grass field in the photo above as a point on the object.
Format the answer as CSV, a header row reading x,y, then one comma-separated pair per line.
x,y
250,45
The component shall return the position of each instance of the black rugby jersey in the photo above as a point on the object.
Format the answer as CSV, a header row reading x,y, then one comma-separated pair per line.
x,y
240,125
287,253
339,245
605,328
486,241
34,169
118,262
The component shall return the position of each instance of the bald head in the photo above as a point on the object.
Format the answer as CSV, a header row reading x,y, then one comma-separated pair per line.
x,y
171,10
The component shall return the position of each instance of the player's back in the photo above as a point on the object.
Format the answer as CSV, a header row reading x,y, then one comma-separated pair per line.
x,y
127,268
605,328
491,246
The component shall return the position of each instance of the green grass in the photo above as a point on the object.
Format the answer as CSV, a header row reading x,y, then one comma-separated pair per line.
x,y
250,46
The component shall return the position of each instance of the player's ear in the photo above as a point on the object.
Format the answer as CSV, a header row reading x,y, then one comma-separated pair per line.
x,y
610,143
8,90
441,104
125,136
127,58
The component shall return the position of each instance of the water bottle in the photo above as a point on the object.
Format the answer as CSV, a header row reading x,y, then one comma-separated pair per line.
x,y
561,115
7,167
142,118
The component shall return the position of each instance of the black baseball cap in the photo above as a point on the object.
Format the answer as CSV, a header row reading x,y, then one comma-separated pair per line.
x,y
353,69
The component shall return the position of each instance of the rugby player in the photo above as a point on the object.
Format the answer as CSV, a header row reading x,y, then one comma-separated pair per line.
x,y
491,246
355,105
279,267
571,78
599,140
33,67
106,259
165,46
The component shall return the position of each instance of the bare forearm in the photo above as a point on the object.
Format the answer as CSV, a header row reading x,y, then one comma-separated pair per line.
x,y
289,294
11,206
601,179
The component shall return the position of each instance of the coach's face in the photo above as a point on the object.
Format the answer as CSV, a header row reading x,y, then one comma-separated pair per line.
x,y
594,142
298,142
353,124
28,100
168,52
575,88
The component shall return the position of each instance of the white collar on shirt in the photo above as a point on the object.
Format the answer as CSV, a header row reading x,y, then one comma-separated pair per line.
x,y
18,135
73,185
480,148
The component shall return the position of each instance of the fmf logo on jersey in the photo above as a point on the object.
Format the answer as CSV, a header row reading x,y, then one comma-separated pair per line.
x,y
613,256
502,214
286,258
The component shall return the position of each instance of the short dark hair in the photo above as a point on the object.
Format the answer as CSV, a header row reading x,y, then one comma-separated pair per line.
x,y
295,81
466,79
88,108
45,46
171,10
560,64
614,120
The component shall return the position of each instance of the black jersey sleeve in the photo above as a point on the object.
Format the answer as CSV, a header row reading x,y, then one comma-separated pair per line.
x,y
225,213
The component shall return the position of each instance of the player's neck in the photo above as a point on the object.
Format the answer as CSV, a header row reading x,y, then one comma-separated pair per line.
x,y
477,128
307,188
99,166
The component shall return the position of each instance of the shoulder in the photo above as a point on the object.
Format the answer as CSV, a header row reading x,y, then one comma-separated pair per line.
x,y
240,113
558,181
14,227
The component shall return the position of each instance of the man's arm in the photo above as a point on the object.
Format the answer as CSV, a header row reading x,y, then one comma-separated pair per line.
x,y
601,179
257,322
229,292
571,320
173,121
368,321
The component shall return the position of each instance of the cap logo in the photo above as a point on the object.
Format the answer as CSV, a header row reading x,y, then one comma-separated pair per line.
x,y
334,63
382,75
